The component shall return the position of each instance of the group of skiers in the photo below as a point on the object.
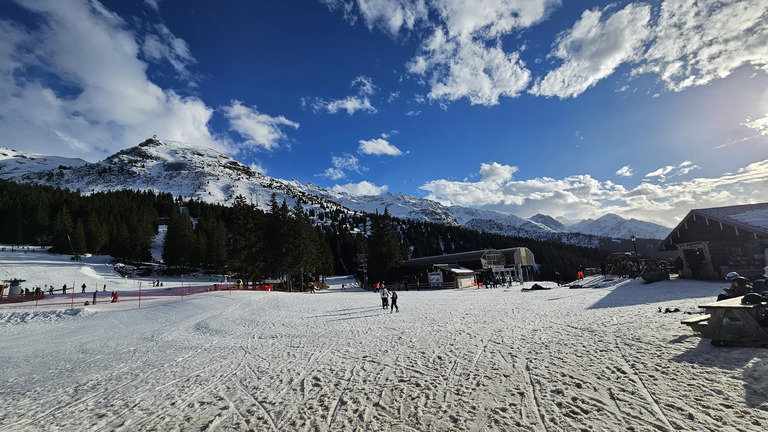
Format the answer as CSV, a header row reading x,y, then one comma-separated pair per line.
x,y
386,296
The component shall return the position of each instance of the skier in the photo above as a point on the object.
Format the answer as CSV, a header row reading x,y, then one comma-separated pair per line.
x,y
95,293
384,297
64,289
394,303
83,286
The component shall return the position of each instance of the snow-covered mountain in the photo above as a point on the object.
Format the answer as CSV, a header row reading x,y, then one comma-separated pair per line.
x,y
612,225
207,175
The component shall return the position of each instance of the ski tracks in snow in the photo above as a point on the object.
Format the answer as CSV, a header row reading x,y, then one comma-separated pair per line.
x,y
487,360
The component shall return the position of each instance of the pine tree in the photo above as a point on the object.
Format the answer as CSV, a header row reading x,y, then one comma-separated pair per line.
x,y
385,251
62,228
245,247
78,238
180,242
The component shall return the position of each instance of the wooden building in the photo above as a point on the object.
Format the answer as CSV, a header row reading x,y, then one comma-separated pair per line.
x,y
712,242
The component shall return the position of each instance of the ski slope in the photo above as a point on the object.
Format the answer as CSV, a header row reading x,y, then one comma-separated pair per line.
x,y
480,359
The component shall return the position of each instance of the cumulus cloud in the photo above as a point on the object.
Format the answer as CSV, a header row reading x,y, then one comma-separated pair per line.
x,y
496,173
696,42
664,202
351,104
469,69
378,147
261,131
625,171
461,56
362,188
594,48
490,19
100,99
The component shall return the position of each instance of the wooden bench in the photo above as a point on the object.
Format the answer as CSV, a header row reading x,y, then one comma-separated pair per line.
x,y
728,322
697,323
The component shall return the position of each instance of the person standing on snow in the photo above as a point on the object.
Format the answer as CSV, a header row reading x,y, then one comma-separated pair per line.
x,y
394,303
95,293
83,286
384,297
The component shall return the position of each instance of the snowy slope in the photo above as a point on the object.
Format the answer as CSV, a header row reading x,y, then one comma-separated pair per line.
x,y
207,175
599,359
167,167
15,164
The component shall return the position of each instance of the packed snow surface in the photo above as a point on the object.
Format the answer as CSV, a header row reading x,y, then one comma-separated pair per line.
x,y
602,358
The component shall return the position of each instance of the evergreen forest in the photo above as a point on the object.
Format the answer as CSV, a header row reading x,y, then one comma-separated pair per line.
x,y
291,243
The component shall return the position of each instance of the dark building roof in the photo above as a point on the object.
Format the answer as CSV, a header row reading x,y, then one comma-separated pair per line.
x,y
752,218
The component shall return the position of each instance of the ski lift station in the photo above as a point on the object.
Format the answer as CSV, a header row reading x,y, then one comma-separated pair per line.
x,y
467,269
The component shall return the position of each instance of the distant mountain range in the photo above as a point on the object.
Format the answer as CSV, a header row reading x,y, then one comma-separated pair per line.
x,y
207,175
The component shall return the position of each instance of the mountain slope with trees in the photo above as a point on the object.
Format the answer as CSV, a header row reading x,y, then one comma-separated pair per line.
x,y
294,244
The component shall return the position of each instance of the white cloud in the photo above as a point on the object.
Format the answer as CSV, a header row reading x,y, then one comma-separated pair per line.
x,y
378,147
101,99
469,69
334,173
696,42
154,4
661,172
260,130
760,125
350,104
594,48
347,162
496,173
663,203
685,42
362,188
673,171
258,167
342,164
391,16
625,171
490,19
463,56
164,45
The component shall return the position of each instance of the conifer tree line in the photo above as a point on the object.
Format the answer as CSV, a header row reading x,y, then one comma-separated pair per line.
x,y
284,242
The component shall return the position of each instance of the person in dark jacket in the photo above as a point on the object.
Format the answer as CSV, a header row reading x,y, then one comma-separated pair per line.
x,y
739,286
393,298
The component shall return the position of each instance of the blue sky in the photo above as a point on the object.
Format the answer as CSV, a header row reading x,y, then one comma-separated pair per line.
x,y
646,109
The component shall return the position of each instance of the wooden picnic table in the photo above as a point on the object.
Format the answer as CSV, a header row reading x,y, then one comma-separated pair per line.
x,y
729,322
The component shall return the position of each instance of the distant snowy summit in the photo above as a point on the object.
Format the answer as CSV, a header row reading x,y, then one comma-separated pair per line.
x,y
210,176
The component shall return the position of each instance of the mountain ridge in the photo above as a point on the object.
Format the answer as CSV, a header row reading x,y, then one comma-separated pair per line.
x,y
207,175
